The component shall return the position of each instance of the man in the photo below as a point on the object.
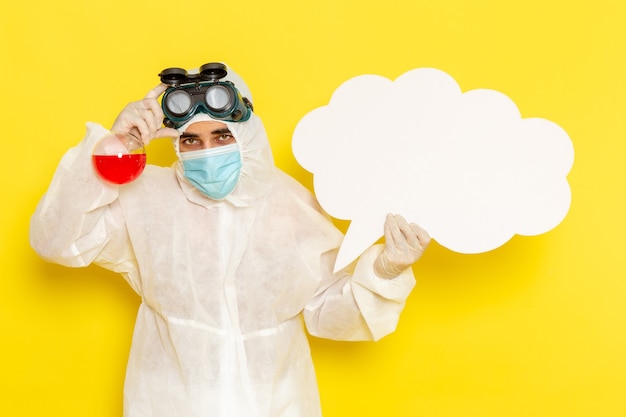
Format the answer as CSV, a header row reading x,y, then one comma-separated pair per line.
x,y
232,258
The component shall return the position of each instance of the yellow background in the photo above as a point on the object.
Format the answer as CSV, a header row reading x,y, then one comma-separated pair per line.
x,y
535,328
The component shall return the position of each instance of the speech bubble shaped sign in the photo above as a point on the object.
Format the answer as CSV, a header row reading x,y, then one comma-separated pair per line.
x,y
463,165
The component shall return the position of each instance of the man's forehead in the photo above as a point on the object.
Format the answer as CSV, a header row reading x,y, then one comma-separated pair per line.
x,y
204,127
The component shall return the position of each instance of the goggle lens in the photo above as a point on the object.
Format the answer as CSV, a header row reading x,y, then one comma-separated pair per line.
x,y
178,103
219,98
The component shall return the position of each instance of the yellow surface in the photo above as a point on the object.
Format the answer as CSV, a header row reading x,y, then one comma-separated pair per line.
x,y
535,328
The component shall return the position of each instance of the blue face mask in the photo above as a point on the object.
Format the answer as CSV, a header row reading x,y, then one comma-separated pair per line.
x,y
214,171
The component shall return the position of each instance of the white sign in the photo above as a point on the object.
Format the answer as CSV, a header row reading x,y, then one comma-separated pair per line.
x,y
464,166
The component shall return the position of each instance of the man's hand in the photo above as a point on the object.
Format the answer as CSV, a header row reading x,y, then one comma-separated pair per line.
x,y
404,244
144,118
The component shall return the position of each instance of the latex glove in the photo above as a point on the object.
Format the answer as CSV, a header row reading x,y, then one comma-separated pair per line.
x,y
404,244
144,118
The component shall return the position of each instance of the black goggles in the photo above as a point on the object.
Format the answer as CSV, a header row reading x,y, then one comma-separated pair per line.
x,y
190,94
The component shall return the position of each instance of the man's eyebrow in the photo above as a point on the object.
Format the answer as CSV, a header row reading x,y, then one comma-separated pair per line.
x,y
220,131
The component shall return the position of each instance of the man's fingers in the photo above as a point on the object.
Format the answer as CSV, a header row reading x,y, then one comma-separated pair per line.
x,y
156,91
154,106
399,233
167,132
421,235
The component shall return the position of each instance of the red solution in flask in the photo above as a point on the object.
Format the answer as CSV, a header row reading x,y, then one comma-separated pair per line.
x,y
119,158
119,169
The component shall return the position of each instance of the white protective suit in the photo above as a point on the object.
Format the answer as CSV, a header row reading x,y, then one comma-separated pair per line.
x,y
227,287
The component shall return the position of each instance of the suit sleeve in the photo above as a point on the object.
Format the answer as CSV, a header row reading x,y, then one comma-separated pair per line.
x,y
357,305
78,221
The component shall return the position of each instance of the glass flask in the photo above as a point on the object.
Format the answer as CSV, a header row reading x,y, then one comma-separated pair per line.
x,y
119,158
